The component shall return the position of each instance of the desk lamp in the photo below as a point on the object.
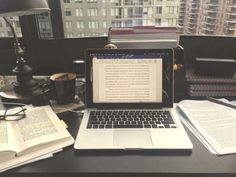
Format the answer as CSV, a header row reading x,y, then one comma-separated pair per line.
x,y
25,85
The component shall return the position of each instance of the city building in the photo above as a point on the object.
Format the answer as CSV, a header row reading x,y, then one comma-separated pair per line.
x,y
182,12
208,17
83,18
5,31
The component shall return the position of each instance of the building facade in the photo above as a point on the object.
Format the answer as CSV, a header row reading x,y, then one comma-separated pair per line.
x,y
5,30
83,18
208,17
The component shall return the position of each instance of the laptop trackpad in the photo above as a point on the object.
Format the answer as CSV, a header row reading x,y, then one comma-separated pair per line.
x,y
132,138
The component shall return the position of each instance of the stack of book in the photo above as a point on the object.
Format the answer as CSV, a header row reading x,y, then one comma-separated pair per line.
x,y
144,37
37,136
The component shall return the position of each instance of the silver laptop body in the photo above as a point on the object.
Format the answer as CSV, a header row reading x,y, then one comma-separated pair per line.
x,y
132,82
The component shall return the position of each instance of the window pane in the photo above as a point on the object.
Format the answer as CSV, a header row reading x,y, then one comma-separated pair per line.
x,y
5,30
84,18
44,25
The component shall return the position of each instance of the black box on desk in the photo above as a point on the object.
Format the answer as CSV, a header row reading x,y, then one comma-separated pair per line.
x,y
215,67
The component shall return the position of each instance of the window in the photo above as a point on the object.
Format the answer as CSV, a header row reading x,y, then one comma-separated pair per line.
x,y
80,24
104,24
44,26
215,17
67,13
79,12
158,10
69,35
16,24
5,29
68,24
158,22
104,13
114,12
93,24
92,12
172,9
171,22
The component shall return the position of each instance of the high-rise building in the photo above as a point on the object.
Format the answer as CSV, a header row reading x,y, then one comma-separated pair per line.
x,y
44,24
5,30
208,17
82,18
182,12
95,17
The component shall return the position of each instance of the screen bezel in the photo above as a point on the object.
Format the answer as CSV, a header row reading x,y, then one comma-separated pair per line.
x,y
167,63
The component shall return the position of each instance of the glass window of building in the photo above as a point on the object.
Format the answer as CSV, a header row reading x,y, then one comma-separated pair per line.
x,y
104,24
68,24
158,9
5,30
80,24
67,12
93,24
104,12
92,12
211,17
79,12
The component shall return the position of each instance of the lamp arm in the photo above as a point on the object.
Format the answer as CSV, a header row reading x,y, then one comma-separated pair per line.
x,y
18,50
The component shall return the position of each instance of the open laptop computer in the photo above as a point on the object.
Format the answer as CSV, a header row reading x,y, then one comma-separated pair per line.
x,y
129,102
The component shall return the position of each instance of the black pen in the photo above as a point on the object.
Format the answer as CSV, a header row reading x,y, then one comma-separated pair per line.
x,y
220,102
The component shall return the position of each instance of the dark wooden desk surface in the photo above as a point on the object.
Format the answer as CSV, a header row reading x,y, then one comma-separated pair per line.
x,y
198,162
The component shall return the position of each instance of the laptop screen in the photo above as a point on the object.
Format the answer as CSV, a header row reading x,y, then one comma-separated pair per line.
x,y
129,78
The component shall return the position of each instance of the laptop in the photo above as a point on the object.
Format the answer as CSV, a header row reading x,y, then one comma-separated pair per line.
x,y
129,102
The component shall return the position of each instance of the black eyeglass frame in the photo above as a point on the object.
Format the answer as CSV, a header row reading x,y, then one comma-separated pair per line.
x,y
20,113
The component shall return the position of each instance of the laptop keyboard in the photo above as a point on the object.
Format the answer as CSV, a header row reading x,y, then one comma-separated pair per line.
x,y
130,119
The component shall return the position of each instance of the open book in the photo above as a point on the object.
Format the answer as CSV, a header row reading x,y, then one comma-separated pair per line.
x,y
213,124
40,133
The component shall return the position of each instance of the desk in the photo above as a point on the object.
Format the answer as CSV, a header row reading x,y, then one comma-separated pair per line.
x,y
68,163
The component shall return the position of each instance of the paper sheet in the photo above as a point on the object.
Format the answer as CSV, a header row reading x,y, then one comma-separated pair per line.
x,y
213,124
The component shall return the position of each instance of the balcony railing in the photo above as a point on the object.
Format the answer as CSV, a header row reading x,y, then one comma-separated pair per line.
x,y
232,3
210,17
209,24
206,29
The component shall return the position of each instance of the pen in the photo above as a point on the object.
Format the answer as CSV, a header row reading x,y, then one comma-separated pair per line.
x,y
220,102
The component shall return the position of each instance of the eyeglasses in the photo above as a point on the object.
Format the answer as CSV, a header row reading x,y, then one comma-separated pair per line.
x,y
13,114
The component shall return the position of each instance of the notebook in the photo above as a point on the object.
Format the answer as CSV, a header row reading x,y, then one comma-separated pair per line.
x,y
129,102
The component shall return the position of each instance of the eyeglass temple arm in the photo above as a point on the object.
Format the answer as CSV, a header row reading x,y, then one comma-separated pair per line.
x,y
5,113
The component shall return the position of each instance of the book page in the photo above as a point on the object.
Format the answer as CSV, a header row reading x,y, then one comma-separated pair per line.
x,y
41,126
3,134
217,123
7,144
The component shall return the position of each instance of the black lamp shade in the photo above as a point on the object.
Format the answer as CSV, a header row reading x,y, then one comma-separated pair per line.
x,y
22,7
